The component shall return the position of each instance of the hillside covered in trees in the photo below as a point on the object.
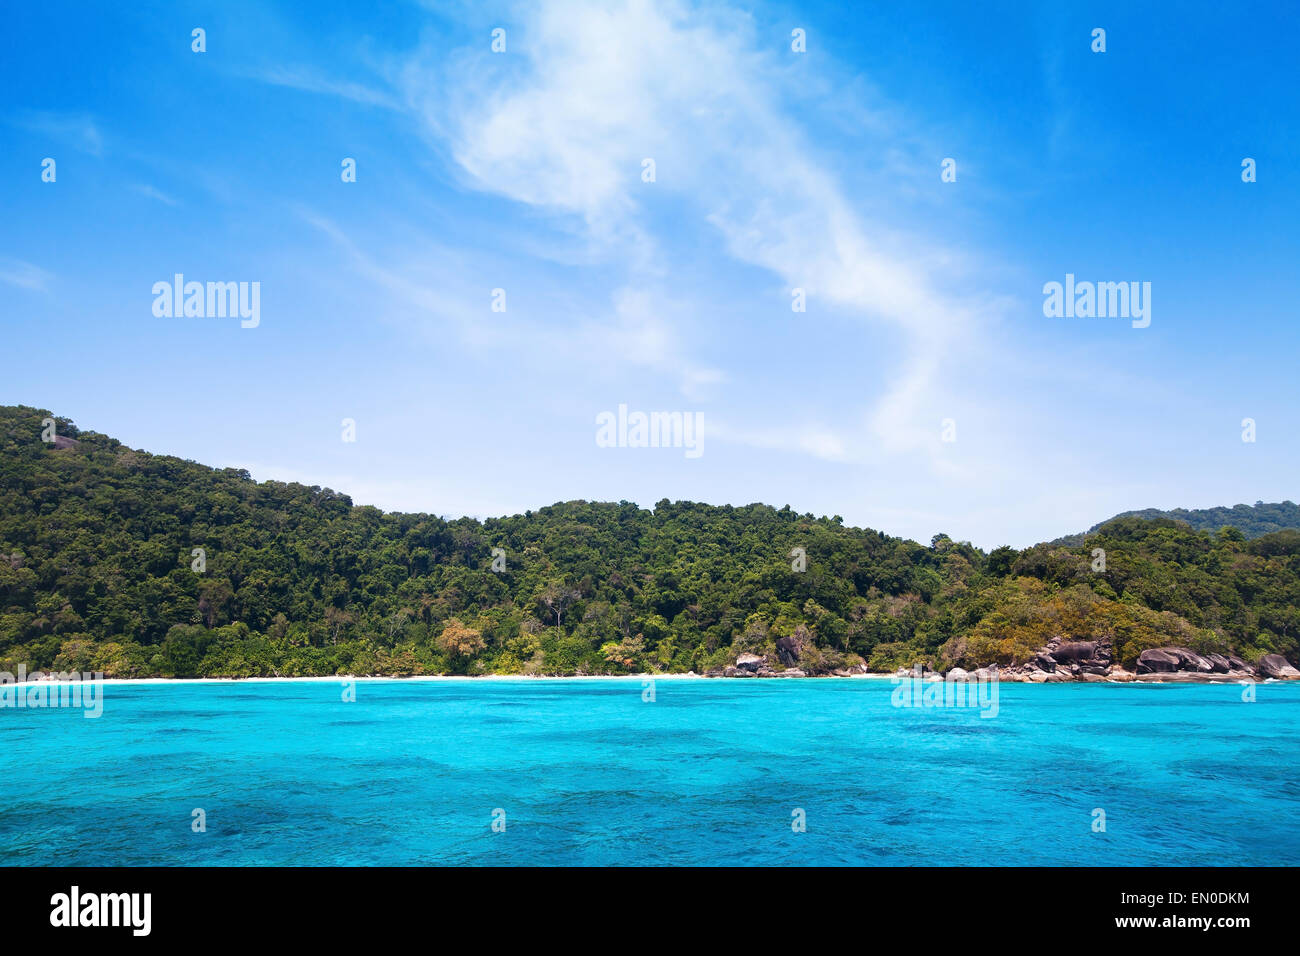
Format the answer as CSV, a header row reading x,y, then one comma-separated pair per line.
x,y
1253,521
99,571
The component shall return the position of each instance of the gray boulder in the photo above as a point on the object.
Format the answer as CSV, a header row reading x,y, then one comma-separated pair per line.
x,y
1189,660
789,649
1169,660
1276,666
1157,660
1218,663
1075,652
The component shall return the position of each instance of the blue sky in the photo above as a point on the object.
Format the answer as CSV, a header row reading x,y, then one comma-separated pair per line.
x,y
522,170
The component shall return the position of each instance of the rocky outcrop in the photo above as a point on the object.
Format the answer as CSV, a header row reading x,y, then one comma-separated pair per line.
x,y
1075,652
788,650
1061,660
755,665
1192,662
1056,662
1169,660
1157,660
1277,667
1218,663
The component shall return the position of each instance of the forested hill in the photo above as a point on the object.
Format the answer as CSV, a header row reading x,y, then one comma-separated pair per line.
x,y
1252,521
98,572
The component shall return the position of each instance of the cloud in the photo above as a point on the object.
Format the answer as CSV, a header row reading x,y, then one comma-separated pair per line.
x,y
563,122
430,287
634,328
309,80
24,275
152,193
638,332
814,440
77,129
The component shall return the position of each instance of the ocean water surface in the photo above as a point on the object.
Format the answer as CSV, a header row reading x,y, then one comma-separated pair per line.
x,y
709,772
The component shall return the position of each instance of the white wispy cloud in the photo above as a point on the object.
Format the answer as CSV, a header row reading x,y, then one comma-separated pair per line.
x,y
639,332
153,193
564,123
24,275
310,80
815,440
79,130
635,328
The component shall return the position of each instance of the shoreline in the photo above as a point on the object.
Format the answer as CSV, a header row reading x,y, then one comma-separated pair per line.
x,y
435,678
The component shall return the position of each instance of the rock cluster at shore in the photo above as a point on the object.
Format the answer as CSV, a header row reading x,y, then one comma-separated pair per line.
x,y
1058,661
756,665
1093,661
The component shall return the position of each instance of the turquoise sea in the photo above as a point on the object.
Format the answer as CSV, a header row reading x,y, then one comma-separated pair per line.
x,y
709,772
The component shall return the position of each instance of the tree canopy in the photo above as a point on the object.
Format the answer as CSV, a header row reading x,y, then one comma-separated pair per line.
x,y
100,570
1252,521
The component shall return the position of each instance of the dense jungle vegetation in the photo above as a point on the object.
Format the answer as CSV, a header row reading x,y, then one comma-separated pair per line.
x,y
97,572
1253,521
